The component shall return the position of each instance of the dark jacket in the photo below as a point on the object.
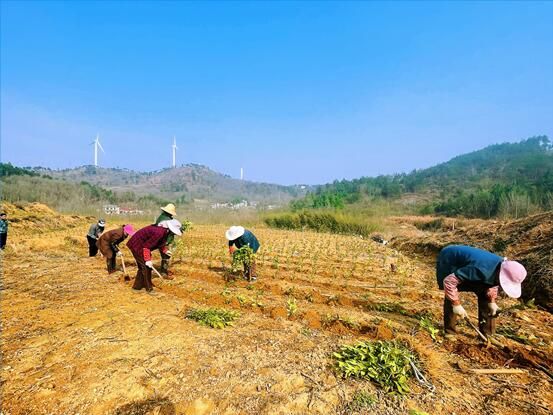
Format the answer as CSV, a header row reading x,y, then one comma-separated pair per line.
x,y
3,226
148,239
164,216
110,240
248,239
468,264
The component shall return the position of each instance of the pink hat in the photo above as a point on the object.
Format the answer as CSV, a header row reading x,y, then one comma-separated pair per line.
x,y
129,230
511,275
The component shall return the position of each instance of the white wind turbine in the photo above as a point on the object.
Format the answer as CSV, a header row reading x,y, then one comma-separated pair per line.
x,y
241,173
175,148
97,146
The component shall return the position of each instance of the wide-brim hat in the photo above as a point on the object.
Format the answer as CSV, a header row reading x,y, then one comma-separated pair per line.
x,y
173,225
234,232
170,209
511,275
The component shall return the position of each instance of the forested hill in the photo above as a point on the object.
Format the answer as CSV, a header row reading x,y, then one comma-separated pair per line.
x,y
483,183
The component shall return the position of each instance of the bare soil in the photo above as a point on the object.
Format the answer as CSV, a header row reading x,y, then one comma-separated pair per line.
x,y
77,341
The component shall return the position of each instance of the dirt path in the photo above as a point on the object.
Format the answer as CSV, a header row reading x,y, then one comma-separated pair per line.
x,y
77,341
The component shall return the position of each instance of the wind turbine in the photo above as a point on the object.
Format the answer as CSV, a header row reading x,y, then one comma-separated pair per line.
x,y
241,173
96,146
175,148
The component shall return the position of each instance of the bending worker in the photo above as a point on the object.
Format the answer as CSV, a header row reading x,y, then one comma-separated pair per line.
x,y
94,233
108,244
167,213
143,242
239,237
464,268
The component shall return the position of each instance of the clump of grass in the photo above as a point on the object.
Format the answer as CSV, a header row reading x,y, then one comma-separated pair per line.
x,y
388,308
417,412
360,401
427,324
512,333
345,320
384,362
212,317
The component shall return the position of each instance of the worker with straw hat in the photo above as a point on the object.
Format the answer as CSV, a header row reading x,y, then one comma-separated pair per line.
x,y
167,213
465,268
143,242
239,237
108,244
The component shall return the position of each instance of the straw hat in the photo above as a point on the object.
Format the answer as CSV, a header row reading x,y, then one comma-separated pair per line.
x,y
173,225
170,209
511,275
234,232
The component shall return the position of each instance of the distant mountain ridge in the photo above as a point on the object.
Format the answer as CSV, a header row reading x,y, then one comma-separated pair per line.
x,y
191,182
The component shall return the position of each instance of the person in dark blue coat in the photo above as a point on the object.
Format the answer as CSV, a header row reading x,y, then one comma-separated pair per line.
x,y
239,237
464,268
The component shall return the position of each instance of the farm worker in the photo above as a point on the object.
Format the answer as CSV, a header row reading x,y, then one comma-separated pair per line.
x,y
108,244
167,213
3,230
239,237
464,268
94,233
146,240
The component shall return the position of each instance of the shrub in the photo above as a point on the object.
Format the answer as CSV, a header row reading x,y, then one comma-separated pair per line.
x,y
384,362
212,317
321,222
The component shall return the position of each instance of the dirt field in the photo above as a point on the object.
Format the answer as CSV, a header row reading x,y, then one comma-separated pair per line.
x,y
77,341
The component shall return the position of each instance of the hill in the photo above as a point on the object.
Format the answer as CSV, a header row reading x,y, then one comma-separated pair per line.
x,y
510,179
191,182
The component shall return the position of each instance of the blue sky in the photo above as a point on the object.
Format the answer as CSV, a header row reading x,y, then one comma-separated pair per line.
x,y
296,92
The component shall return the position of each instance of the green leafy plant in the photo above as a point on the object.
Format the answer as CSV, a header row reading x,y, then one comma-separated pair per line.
x,y
427,324
384,362
242,256
417,412
212,317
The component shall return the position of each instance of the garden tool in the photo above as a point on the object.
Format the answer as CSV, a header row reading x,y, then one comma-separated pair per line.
x,y
480,334
123,263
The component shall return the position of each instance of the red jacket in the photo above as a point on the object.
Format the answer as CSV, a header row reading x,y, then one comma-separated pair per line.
x,y
148,239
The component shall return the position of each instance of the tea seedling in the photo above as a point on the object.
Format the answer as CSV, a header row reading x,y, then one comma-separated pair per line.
x,y
427,324
291,306
212,317
242,256
385,363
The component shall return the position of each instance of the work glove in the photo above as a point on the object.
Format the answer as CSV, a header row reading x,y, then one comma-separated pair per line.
x,y
118,253
493,309
459,311
149,264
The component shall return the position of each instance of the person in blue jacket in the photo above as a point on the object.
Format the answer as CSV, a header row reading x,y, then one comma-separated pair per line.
x,y
465,268
239,237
